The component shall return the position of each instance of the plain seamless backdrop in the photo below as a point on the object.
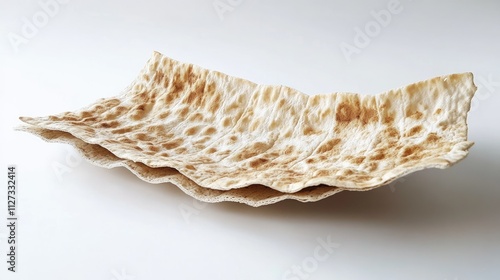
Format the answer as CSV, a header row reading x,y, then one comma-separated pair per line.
x,y
78,221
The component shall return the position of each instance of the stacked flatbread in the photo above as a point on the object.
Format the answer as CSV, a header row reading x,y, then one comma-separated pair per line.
x,y
221,138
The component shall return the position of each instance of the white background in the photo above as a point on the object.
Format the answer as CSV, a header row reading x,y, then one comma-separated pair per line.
x,y
93,223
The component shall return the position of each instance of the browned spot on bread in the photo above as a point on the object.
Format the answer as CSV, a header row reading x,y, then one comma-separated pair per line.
x,y
68,117
432,137
288,134
411,150
192,130
190,76
175,87
308,130
438,111
266,94
328,146
126,140
273,155
190,167
414,130
363,177
273,125
111,124
412,89
184,112
368,115
241,98
387,115
196,117
378,156
211,87
164,154
253,150
311,160
209,131
323,173
348,172
77,123
114,113
414,114
154,66
141,111
143,137
168,136
153,148
85,114
281,103
164,114
289,150
156,129
326,113
226,122
232,107
89,130
388,118
110,103
141,97
172,144
211,150
341,178
258,162
315,100
392,132
159,76
196,96
199,146
215,105
348,111
91,119
54,118
233,138
203,140
122,130
372,166
358,160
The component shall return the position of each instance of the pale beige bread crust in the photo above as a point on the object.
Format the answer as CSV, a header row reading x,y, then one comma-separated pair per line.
x,y
225,133
255,195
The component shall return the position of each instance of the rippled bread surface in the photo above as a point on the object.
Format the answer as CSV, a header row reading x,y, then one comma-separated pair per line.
x,y
223,132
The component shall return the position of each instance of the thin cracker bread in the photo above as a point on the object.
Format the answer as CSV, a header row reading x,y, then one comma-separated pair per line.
x,y
225,133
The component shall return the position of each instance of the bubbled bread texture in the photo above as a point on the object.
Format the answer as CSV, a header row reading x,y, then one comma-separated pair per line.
x,y
224,133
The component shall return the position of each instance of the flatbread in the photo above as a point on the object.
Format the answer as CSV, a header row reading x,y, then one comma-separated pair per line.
x,y
225,133
255,195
